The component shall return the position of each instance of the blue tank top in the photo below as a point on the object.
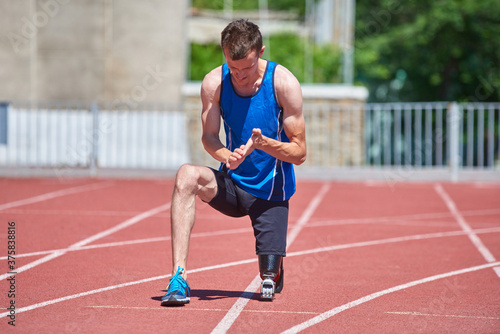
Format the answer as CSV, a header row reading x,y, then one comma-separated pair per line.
x,y
260,174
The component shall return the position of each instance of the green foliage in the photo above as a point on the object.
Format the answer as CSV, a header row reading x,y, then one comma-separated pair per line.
x,y
219,5
290,51
298,7
204,58
286,49
429,50
327,61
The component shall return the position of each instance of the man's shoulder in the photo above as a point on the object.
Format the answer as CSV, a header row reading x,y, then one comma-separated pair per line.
x,y
214,75
284,78
210,86
212,80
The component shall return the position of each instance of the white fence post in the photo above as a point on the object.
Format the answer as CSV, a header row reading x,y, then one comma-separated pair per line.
x,y
4,121
453,139
95,139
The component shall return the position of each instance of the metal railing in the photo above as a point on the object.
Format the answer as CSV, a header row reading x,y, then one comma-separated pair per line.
x,y
433,134
77,135
376,135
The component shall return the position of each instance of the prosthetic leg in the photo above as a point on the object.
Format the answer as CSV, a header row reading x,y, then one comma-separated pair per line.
x,y
272,274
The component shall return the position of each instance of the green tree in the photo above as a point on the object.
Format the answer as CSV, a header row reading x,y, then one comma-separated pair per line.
x,y
287,49
428,50
298,7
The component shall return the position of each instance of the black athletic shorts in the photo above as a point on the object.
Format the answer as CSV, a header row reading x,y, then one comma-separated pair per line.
x,y
269,218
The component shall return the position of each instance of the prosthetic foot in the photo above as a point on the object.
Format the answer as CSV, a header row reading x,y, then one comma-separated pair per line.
x,y
272,273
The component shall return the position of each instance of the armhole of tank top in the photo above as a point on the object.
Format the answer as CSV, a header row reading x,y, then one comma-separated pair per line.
x,y
275,94
221,88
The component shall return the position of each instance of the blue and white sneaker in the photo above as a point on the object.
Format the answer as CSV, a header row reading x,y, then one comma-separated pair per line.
x,y
178,290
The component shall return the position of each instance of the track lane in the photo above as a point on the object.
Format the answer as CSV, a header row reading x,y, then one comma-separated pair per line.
x,y
136,306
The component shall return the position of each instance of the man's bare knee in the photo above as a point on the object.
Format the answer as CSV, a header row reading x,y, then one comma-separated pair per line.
x,y
187,178
198,180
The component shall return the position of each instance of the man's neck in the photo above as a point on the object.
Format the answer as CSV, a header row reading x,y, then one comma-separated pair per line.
x,y
253,85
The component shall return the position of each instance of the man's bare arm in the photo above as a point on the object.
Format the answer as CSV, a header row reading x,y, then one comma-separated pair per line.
x,y
290,98
210,116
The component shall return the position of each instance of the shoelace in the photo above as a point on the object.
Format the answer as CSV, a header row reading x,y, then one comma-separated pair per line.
x,y
177,282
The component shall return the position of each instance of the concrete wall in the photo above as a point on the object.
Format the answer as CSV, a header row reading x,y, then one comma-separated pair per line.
x,y
116,50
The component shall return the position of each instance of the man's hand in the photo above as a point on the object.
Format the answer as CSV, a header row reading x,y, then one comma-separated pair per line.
x,y
239,154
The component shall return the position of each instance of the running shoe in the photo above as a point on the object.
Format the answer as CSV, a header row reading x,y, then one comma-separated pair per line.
x,y
178,290
269,287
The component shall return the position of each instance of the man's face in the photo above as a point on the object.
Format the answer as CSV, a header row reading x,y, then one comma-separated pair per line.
x,y
243,71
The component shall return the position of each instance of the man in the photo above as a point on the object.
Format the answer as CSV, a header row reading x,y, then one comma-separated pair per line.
x,y
260,103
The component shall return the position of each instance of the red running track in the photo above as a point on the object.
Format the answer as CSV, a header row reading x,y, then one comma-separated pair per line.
x,y
93,255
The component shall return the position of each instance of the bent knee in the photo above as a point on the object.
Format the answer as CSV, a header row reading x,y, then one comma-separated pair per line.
x,y
192,178
187,176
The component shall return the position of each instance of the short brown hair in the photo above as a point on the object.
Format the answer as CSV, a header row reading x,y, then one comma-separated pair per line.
x,y
240,37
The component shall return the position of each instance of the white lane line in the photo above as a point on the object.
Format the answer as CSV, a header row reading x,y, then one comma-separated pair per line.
x,y
389,240
90,239
246,230
485,252
121,226
231,316
306,216
444,315
122,285
316,222
238,306
54,194
401,222
230,264
161,308
487,185
131,242
60,212
421,216
463,224
106,245
313,321
82,294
